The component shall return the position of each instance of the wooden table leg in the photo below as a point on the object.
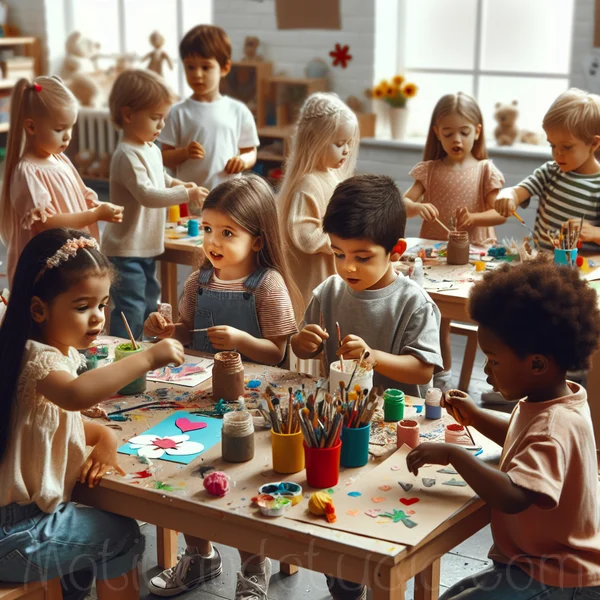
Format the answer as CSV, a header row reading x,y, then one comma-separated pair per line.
x,y
168,284
427,582
288,569
387,585
166,547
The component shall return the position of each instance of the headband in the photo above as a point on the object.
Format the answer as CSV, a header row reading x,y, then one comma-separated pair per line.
x,y
68,250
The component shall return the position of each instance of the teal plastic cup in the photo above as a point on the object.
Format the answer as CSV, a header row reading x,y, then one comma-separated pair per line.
x,y
565,257
355,446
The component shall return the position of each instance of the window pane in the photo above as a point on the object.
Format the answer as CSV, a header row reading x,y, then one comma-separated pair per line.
x,y
196,12
142,17
440,34
432,86
532,36
535,95
97,20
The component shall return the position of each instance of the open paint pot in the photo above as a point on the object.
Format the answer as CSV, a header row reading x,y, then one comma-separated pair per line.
x,y
137,386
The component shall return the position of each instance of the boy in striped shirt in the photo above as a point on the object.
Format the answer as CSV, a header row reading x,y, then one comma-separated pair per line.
x,y
568,187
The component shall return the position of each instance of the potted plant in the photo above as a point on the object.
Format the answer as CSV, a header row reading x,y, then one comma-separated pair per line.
x,y
395,93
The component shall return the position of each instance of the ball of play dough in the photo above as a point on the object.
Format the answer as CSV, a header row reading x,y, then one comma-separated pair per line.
x,y
321,504
216,483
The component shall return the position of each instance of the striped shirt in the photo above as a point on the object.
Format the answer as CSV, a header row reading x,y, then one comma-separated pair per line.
x,y
273,303
563,196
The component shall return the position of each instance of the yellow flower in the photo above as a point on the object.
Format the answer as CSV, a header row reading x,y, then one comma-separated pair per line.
x,y
390,91
409,90
383,83
398,80
378,93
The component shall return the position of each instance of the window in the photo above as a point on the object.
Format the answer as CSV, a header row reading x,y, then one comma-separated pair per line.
x,y
496,50
124,26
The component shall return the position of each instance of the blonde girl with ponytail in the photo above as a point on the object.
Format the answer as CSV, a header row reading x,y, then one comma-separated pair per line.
x,y
42,189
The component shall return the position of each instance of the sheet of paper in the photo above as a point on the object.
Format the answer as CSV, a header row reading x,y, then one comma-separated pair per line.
x,y
189,374
308,14
201,430
391,504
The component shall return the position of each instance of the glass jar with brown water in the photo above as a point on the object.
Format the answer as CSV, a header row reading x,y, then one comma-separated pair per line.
x,y
458,248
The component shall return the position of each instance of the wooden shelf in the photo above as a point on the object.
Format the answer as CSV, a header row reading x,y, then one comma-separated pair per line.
x,y
273,131
17,41
317,81
270,156
7,84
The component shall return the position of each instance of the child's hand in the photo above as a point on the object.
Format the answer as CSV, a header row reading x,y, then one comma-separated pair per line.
x,y
223,337
109,212
166,352
460,407
428,212
309,340
235,165
352,347
158,326
464,219
102,458
429,453
588,233
196,196
506,202
195,150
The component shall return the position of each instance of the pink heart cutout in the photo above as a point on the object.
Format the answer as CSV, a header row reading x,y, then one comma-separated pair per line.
x,y
186,425
385,488
395,468
409,501
372,512
410,512
375,499
166,444
352,513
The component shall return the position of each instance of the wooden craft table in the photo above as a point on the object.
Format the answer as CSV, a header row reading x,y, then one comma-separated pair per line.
x,y
384,566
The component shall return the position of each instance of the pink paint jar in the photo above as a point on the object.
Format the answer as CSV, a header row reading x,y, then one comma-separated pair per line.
x,y
456,434
407,432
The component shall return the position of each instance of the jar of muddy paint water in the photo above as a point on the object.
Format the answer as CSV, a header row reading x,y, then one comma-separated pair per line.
x,y
137,386
237,436
458,248
228,377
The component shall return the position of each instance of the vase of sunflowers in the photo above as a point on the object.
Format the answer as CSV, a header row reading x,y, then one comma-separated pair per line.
x,y
395,93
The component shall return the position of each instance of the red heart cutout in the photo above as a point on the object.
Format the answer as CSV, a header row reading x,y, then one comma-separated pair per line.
x,y
166,444
186,425
409,501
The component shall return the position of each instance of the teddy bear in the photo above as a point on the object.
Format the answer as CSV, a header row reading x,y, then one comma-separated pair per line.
x,y
506,115
79,68
251,44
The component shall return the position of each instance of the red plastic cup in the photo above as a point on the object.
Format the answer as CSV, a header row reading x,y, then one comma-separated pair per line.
x,y
183,210
322,466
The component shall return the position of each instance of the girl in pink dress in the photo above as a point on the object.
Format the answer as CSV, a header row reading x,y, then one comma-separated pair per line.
x,y
456,184
41,188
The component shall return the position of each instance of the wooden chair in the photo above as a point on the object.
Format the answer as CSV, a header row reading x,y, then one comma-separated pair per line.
x,y
36,590
470,331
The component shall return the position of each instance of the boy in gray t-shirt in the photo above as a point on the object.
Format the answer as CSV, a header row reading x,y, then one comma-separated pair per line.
x,y
378,310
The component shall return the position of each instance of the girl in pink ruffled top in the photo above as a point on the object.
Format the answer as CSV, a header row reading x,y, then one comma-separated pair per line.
x,y
456,184
42,189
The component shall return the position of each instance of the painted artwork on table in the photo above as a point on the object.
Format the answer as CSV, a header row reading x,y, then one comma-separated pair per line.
x,y
180,438
189,374
389,503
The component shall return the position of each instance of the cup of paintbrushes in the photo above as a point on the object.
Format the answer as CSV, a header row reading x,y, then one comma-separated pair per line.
x,y
355,446
565,257
322,465
288,455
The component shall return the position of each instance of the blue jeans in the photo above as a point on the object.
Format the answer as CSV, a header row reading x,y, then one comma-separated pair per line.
x,y
135,293
35,546
509,582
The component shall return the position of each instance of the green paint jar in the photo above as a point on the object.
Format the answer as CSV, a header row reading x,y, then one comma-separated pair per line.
x,y
137,386
393,406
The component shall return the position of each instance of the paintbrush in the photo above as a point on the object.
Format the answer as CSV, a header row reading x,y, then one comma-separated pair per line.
x,y
133,344
442,225
470,435
519,218
339,336
290,410
199,330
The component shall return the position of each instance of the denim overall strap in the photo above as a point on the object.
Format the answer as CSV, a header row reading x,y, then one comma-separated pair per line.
x,y
221,307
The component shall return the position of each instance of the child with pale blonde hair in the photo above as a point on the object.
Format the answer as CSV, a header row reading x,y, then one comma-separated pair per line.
x,y
139,102
323,154
568,186
42,189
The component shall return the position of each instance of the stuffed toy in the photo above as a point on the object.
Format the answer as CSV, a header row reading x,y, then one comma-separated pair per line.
x,y
506,115
79,68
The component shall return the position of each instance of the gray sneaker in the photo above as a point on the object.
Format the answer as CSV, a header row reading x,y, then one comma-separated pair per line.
x,y
254,586
188,573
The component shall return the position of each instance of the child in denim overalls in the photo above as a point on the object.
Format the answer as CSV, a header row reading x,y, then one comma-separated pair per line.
x,y
240,295
61,288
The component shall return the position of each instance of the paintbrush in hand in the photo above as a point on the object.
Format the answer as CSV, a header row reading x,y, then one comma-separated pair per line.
x,y
339,336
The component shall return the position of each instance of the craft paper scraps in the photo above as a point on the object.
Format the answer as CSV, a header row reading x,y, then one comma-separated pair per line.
x,y
405,486
181,437
448,471
189,374
373,512
428,481
456,482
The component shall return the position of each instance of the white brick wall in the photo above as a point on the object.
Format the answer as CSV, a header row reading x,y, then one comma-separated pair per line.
x,y
291,50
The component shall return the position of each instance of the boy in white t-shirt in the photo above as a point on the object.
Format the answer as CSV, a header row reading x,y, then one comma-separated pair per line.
x,y
208,138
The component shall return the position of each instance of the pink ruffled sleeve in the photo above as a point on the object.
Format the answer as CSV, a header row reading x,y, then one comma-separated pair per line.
x,y
493,179
420,172
30,198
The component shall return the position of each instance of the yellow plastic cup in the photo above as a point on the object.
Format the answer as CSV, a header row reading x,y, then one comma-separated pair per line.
x,y
288,453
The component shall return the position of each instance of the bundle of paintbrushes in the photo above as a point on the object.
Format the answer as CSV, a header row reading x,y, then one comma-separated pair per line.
x,y
569,235
283,421
321,423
